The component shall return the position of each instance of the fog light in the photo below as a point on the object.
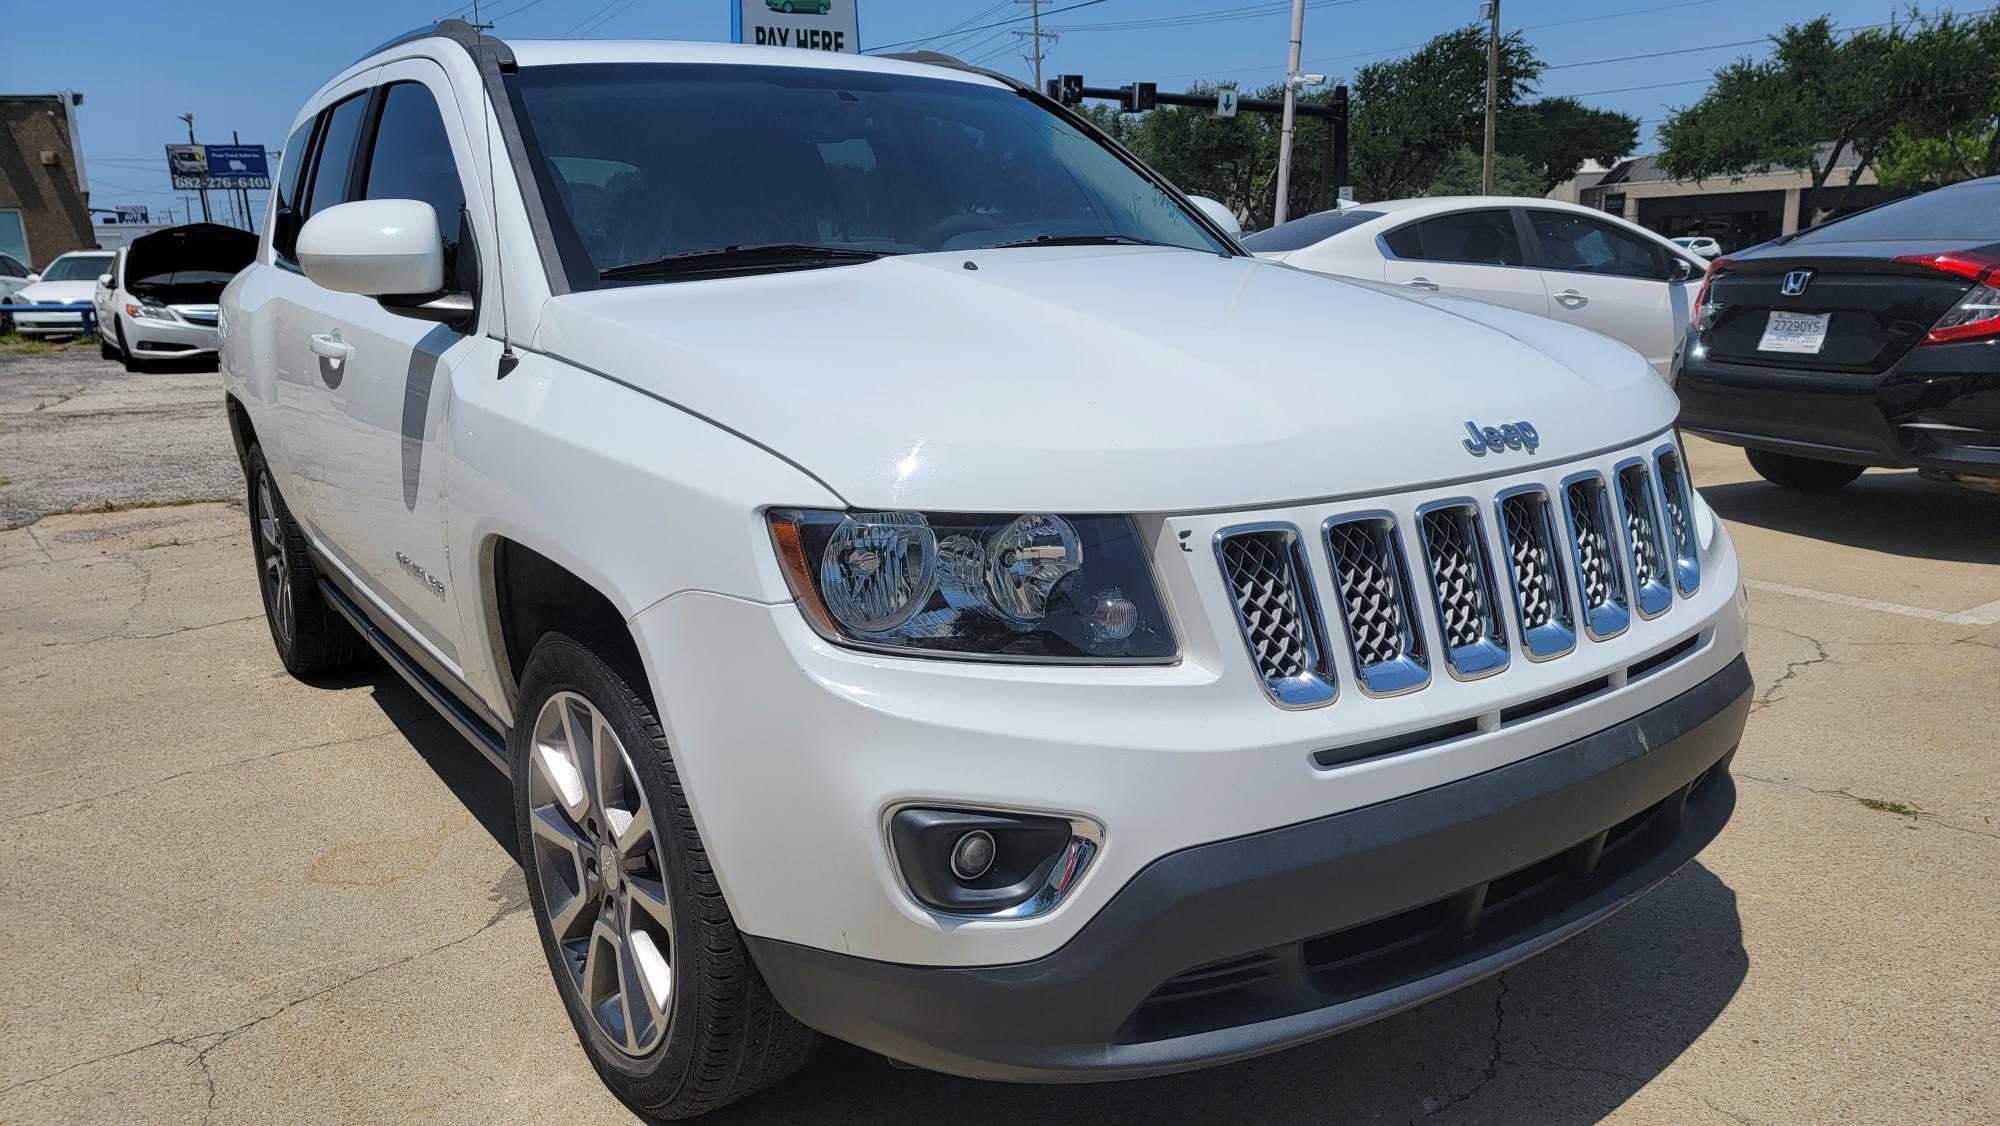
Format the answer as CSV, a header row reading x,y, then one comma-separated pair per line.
x,y
972,856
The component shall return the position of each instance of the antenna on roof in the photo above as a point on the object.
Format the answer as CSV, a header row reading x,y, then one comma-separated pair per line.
x,y
508,360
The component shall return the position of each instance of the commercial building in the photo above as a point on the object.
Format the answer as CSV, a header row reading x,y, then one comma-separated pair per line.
x,y
44,194
1736,211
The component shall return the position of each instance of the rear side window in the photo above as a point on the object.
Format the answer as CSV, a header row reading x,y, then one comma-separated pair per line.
x,y
11,268
1304,232
1968,213
411,159
291,176
1583,245
1480,238
336,155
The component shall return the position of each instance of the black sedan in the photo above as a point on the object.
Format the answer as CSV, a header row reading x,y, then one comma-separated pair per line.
x,y
1870,340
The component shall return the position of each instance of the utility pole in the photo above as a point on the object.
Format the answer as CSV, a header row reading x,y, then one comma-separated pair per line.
x,y
189,118
1292,77
1492,15
1036,36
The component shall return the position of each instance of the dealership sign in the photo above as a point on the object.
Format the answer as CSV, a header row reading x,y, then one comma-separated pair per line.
x,y
195,167
815,25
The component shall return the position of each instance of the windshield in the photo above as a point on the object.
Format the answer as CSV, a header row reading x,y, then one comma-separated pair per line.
x,y
645,162
78,267
1301,233
1969,212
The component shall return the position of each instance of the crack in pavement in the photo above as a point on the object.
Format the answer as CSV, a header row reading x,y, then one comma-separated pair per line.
x,y
1843,792
64,649
219,1037
1433,1107
1791,668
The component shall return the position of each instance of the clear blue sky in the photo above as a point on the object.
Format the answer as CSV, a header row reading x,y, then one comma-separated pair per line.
x,y
248,65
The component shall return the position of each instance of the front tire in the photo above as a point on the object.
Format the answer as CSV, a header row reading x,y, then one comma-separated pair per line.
x,y
1805,474
311,636
663,996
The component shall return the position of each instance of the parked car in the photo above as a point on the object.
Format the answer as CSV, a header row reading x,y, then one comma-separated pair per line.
x,y
884,642
14,275
1558,260
1870,340
1699,244
158,300
69,280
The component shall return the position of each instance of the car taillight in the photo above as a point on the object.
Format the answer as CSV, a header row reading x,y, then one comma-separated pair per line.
x,y
1702,315
1977,314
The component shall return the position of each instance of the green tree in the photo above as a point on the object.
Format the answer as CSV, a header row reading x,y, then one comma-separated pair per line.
x,y
1818,99
1552,137
1463,170
1948,99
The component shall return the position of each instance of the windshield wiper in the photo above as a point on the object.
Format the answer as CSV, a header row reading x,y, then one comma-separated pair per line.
x,y
1080,240
741,259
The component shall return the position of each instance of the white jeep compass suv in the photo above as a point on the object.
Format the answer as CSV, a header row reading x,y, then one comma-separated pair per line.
x,y
930,587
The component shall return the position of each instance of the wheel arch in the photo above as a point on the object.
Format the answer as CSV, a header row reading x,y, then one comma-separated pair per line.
x,y
526,594
242,432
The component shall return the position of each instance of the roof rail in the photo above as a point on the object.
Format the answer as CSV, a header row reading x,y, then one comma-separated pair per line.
x,y
458,31
953,62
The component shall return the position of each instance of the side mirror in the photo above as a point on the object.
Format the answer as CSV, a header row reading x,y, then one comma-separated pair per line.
x,y
33,278
1680,270
374,247
104,280
1219,214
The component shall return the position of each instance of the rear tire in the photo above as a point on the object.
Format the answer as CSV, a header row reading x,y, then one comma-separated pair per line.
x,y
677,1021
311,636
1808,475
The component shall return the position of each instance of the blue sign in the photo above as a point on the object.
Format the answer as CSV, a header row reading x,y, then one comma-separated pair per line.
x,y
238,160
201,167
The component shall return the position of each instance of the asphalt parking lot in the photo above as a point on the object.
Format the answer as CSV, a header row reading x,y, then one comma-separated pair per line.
x,y
226,896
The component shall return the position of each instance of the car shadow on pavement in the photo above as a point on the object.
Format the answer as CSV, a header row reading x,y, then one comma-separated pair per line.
x,y
1565,1038
1893,513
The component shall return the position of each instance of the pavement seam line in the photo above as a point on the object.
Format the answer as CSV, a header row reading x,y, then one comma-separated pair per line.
x,y
1983,615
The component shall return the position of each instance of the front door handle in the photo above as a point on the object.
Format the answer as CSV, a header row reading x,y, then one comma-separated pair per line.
x,y
1423,284
330,345
1571,299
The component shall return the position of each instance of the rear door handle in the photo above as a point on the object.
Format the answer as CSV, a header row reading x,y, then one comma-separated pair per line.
x,y
1423,284
1571,299
330,345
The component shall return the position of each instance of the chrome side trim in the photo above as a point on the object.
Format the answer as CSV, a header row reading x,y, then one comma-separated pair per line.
x,y
1489,653
1410,668
1313,685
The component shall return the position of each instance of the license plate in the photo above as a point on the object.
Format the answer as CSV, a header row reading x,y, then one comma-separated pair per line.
x,y
1794,332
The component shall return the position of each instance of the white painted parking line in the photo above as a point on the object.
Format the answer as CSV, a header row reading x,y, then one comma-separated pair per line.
x,y
1986,615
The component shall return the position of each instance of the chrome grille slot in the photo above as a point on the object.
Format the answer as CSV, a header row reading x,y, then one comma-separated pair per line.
x,y
1534,562
1600,581
1269,588
1677,497
1642,538
1461,574
1375,609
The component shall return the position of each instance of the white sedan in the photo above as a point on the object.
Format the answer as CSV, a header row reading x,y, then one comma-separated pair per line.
x,y
157,301
1557,260
66,281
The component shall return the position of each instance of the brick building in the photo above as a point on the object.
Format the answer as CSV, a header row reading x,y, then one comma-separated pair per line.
x,y
44,195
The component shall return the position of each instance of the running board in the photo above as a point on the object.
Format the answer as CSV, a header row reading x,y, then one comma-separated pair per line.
x,y
489,742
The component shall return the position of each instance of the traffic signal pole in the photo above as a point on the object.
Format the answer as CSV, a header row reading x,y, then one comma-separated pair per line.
x,y
1279,209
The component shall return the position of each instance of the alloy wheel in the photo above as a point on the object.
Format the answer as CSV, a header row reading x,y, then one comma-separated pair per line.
x,y
277,565
602,873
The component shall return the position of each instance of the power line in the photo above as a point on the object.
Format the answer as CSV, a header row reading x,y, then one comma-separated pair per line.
x,y
1002,23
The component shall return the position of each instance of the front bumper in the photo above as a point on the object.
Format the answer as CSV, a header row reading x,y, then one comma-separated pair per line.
x,y
151,338
1245,946
51,324
1937,409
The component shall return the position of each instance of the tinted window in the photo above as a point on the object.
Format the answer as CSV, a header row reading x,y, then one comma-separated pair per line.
x,y
336,155
1583,245
77,267
649,160
1968,212
10,268
291,174
1483,238
1309,230
412,160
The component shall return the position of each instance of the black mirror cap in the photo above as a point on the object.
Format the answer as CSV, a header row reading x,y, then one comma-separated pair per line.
x,y
454,309
1026,850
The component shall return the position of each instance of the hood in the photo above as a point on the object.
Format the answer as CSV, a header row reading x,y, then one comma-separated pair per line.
x,y
1106,379
195,254
55,292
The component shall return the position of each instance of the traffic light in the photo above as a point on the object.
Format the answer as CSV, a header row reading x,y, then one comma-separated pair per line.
x,y
1144,96
1069,89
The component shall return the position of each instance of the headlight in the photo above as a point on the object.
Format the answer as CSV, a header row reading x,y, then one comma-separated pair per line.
x,y
1038,587
149,309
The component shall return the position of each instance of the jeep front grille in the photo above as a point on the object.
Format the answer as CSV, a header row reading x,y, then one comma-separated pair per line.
x,y
1677,497
1600,581
1269,585
1642,538
1534,560
1461,573
1375,608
